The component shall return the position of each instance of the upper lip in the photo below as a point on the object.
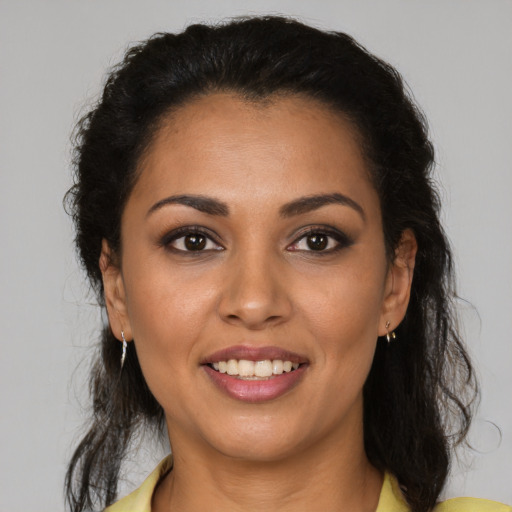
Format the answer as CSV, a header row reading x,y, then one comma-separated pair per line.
x,y
251,353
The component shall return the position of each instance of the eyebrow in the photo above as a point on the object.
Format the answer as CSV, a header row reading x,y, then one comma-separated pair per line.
x,y
299,206
310,203
202,203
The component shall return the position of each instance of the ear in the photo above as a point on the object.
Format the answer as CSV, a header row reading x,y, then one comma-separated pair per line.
x,y
115,296
398,283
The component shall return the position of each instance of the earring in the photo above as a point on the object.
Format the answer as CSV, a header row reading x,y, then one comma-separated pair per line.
x,y
123,355
389,335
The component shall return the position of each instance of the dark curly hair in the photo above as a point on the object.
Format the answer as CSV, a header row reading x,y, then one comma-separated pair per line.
x,y
418,395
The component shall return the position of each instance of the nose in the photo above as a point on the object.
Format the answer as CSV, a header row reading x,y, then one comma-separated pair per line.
x,y
255,295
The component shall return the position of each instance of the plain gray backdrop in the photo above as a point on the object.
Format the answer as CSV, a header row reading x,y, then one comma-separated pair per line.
x,y
456,56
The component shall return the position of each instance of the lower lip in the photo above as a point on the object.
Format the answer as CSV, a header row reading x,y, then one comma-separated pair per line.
x,y
254,391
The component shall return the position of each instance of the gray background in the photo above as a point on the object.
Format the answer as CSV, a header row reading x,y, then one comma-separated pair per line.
x,y
456,57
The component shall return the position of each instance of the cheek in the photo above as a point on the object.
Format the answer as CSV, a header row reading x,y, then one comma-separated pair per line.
x,y
343,315
167,315
163,302
349,307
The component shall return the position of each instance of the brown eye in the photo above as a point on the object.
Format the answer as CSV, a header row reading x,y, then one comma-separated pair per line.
x,y
317,242
321,240
195,242
190,240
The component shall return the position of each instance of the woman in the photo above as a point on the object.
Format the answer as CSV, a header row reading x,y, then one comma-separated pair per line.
x,y
254,208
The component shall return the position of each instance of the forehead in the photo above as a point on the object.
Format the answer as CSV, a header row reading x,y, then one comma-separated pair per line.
x,y
223,144
229,117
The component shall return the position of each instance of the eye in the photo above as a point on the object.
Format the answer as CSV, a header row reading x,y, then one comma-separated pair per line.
x,y
190,240
320,240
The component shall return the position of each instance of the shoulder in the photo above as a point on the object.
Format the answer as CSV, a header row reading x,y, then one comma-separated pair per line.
x,y
140,499
471,505
392,500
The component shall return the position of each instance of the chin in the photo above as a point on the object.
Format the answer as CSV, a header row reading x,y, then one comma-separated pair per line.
x,y
258,443
260,450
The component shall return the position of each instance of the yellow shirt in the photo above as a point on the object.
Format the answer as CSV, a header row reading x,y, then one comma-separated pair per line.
x,y
391,499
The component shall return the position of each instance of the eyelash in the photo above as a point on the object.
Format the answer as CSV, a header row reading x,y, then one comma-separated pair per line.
x,y
341,239
185,231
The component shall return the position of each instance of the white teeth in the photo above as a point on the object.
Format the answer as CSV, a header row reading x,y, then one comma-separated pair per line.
x,y
245,368
250,369
232,368
277,366
263,368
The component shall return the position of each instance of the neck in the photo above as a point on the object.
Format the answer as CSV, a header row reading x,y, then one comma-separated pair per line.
x,y
327,477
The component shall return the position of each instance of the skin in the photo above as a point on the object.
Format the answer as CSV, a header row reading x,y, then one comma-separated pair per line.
x,y
258,282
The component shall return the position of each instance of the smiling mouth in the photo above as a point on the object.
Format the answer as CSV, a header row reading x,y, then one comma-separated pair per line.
x,y
255,374
244,369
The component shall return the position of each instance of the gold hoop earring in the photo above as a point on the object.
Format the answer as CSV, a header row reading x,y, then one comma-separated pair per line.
x,y
389,335
123,355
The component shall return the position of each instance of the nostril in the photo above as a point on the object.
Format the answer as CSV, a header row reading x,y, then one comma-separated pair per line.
x,y
254,305
254,319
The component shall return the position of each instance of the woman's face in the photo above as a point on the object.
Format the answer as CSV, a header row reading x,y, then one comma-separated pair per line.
x,y
253,234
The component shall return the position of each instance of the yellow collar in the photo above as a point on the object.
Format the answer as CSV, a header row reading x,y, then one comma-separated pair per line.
x,y
391,498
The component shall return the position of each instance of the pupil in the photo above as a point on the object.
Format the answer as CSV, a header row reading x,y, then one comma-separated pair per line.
x,y
195,242
317,242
